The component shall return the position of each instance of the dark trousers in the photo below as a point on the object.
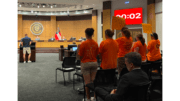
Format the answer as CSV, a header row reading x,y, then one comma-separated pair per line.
x,y
102,92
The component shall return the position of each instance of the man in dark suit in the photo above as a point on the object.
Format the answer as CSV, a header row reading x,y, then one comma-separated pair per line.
x,y
135,77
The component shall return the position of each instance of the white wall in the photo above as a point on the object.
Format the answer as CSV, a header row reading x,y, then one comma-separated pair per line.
x,y
99,30
158,7
158,11
120,4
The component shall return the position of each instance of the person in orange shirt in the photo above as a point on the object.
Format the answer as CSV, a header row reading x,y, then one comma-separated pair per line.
x,y
88,52
153,49
108,51
125,44
140,47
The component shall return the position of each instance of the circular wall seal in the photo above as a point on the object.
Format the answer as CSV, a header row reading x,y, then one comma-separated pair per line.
x,y
36,28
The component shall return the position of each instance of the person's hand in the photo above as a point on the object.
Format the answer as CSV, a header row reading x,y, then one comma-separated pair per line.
x,y
113,91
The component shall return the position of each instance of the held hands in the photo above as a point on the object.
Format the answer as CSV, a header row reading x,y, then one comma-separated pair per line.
x,y
113,91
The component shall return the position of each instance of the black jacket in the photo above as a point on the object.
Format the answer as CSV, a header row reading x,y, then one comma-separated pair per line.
x,y
134,78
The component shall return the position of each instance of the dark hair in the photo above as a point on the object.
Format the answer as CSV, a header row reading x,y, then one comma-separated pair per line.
x,y
74,43
109,33
140,37
25,34
89,31
134,57
155,36
124,28
127,33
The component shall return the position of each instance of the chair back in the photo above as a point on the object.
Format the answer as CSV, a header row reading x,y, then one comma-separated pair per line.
x,y
157,65
137,93
69,62
146,68
105,77
78,62
61,46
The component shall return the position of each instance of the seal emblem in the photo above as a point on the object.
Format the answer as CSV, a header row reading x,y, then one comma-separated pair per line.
x,y
36,28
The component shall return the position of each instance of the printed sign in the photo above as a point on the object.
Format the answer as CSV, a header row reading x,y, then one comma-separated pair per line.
x,y
118,23
147,28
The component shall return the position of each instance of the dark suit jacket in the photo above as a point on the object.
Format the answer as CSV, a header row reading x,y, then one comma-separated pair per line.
x,y
134,78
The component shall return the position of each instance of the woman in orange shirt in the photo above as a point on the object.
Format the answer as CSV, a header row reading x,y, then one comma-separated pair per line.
x,y
108,51
153,48
125,44
88,52
140,47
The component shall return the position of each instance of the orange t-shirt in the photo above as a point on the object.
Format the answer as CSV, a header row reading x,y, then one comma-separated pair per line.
x,y
142,49
153,50
125,45
88,51
109,50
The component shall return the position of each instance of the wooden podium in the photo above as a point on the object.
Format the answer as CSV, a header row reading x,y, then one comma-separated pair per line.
x,y
61,53
33,53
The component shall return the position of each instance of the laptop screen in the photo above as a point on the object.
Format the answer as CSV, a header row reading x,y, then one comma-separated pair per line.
x,y
74,48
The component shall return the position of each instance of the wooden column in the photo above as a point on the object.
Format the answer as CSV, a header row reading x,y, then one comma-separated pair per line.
x,y
151,17
20,35
94,24
106,17
53,25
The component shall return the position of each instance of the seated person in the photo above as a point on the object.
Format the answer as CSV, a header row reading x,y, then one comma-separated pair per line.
x,y
71,38
135,77
37,38
52,38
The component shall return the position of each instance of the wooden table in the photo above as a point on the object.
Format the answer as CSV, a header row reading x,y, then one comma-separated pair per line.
x,y
52,44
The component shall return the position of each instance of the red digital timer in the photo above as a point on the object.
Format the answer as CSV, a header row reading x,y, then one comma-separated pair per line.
x,y
132,16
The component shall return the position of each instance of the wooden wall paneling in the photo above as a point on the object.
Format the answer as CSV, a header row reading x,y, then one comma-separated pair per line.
x,y
20,27
94,24
74,28
45,35
53,25
106,21
151,19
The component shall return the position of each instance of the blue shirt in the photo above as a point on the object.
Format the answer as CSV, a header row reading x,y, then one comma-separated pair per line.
x,y
26,40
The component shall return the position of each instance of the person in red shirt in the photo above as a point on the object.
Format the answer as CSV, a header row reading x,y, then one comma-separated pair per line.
x,y
125,44
108,51
153,48
88,52
140,47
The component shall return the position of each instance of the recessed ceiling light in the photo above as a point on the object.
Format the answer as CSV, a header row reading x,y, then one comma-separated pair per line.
x,y
51,6
43,5
38,6
20,5
31,11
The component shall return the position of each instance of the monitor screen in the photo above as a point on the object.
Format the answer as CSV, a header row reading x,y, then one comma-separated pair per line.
x,y
71,45
74,48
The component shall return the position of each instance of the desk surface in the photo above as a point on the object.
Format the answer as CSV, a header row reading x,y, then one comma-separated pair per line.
x,y
52,44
